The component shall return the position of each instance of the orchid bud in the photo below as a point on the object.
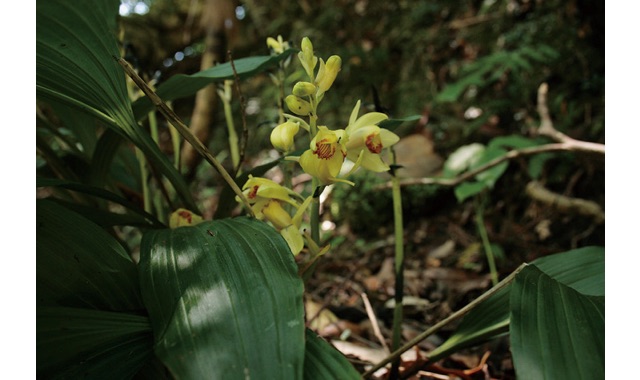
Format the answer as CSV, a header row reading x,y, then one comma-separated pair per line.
x,y
297,105
306,57
304,89
282,136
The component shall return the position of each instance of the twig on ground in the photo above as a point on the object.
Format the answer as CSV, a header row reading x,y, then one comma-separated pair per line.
x,y
563,143
563,203
374,321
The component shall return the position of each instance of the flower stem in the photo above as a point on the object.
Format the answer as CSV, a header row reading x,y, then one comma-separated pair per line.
x,y
399,270
231,129
485,242
146,197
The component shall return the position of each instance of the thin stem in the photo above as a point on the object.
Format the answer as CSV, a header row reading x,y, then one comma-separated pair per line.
x,y
146,197
175,141
315,183
315,211
399,270
225,95
485,242
153,127
435,328
242,145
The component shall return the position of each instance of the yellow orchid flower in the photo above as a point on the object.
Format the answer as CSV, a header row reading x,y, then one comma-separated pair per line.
x,y
258,189
326,154
183,217
282,135
266,198
366,139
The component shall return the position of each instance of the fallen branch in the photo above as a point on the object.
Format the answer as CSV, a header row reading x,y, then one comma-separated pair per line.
x,y
563,203
563,143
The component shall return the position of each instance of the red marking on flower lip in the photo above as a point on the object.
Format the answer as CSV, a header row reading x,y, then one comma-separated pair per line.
x,y
324,149
373,143
185,215
253,192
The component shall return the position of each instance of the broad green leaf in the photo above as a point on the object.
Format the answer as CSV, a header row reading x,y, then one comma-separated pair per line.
x,y
103,157
78,264
394,123
181,85
468,189
490,176
323,362
74,343
513,141
225,300
582,269
76,49
556,332
82,125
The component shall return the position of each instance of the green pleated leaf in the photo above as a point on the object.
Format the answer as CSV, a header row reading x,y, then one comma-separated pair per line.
x,y
225,301
75,49
181,85
323,362
556,332
78,264
581,269
75,343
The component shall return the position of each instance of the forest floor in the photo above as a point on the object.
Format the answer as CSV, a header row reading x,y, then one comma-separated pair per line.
x,y
445,268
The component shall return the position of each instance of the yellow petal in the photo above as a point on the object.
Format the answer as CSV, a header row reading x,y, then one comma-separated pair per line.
x,y
274,213
328,72
373,162
293,238
388,138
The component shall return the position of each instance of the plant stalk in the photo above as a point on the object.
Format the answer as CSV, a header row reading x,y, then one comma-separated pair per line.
x,y
486,244
399,271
